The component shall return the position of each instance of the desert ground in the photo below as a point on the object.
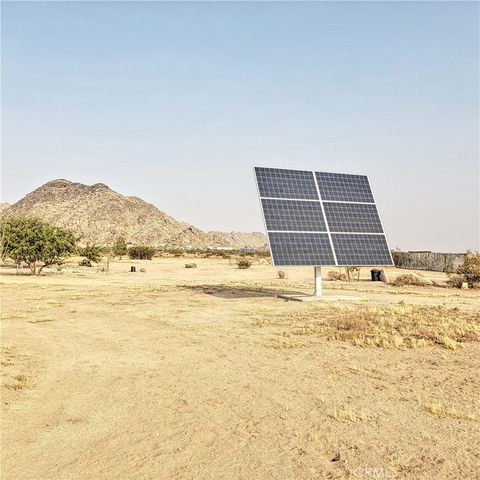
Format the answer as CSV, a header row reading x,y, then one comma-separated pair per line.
x,y
203,373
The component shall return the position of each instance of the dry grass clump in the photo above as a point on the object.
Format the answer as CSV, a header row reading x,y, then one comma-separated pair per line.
x,y
346,414
398,326
410,279
455,281
244,263
408,326
41,320
12,315
440,410
19,382
336,276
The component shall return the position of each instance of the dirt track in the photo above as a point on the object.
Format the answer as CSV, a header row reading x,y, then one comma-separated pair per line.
x,y
128,376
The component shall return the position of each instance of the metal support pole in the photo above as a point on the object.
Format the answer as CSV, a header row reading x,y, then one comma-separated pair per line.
x,y
318,282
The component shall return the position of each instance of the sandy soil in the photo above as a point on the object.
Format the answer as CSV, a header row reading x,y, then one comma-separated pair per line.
x,y
169,374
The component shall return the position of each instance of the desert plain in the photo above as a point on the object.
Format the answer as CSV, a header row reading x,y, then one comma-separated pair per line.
x,y
203,373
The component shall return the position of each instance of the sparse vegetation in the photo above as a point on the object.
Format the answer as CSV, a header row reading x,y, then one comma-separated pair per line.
x,y
244,263
440,410
32,241
346,414
335,276
120,247
92,253
456,280
409,279
352,273
141,252
19,382
399,326
471,269
281,274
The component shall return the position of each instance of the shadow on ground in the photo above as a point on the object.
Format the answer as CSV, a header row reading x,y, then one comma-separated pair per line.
x,y
231,291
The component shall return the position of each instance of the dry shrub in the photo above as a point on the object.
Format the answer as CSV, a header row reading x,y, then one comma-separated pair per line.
x,y
19,382
410,279
455,280
353,273
244,263
471,269
336,276
398,326
440,410
281,274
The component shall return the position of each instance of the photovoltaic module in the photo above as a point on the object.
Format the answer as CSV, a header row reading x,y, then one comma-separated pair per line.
x,y
318,218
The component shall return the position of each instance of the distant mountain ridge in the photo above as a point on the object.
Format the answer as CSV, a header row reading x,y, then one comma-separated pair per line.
x,y
99,215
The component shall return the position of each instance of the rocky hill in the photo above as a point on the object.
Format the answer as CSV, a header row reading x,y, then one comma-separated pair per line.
x,y
99,215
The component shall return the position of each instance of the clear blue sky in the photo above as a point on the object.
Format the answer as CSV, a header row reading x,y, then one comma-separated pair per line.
x,y
175,102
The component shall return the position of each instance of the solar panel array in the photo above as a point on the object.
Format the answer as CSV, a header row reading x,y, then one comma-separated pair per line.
x,y
319,218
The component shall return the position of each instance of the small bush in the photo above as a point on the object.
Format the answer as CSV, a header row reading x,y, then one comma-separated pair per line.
x,y
353,273
281,274
85,263
141,252
92,253
244,263
120,247
409,279
455,280
471,269
335,276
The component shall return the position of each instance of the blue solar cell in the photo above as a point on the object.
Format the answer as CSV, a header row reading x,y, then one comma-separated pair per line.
x,y
358,249
296,248
279,183
343,187
293,215
352,217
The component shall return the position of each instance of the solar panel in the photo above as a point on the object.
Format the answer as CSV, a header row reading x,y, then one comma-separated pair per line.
x,y
352,217
293,215
342,187
361,249
310,248
319,218
279,183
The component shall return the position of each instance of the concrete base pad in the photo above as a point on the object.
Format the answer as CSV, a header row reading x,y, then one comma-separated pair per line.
x,y
324,298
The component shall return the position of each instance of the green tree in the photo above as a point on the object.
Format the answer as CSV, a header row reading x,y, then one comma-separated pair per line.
x,y
32,241
93,253
120,247
141,252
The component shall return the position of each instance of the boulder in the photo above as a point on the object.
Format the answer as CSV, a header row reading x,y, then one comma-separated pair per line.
x,y
383,276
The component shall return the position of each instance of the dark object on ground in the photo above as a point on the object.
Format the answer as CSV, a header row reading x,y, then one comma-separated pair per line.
x,y
190,265
133,269
142,270
376,275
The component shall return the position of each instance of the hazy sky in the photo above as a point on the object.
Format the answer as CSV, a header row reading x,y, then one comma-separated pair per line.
x,y
175,102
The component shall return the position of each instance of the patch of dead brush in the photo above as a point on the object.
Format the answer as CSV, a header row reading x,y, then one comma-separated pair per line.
x,y
347,414
19,382
441,410
396,326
